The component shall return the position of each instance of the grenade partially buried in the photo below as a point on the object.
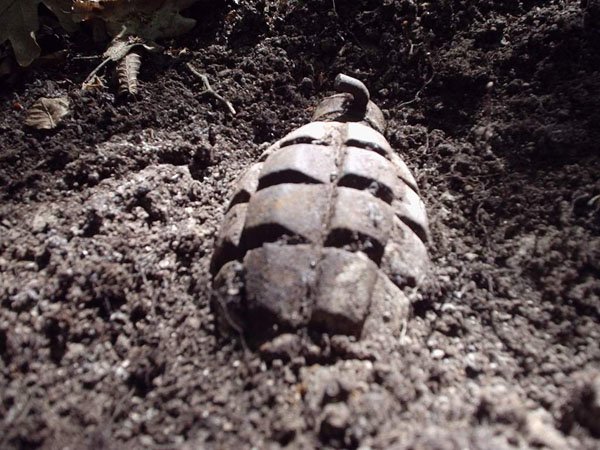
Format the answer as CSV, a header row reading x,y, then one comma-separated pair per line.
x,y
325,233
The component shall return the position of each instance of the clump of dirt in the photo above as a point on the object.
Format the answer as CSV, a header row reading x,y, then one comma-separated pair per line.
x,y
107,226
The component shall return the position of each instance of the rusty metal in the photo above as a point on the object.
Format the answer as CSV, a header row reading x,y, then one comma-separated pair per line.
x,y
326,232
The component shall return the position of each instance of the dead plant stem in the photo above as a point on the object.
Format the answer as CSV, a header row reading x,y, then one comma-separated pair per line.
x,y
210,91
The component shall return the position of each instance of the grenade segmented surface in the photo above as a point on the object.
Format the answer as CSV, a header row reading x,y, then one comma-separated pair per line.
x,y
324,233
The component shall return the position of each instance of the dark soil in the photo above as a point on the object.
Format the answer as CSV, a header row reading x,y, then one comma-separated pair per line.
x,y
107,226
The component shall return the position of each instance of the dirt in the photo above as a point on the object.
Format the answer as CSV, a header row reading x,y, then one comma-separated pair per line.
x,y
107,226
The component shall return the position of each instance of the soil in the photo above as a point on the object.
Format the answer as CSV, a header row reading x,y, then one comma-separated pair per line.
x,y
107,226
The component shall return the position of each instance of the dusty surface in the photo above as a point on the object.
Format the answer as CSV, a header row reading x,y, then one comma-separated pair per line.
x,y
107,226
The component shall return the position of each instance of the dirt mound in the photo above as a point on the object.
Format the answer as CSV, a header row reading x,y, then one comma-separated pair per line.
x,y
107,226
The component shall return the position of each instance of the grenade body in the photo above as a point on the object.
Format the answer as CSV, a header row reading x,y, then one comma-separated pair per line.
x,y
325,233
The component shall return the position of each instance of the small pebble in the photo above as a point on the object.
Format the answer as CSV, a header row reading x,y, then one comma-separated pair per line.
x,y
438,353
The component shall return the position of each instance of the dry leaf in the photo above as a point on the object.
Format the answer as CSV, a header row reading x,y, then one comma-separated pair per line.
x,y
113,9
47,113
121,46
18,23
93,83
148,19
118,49
127,74
63,10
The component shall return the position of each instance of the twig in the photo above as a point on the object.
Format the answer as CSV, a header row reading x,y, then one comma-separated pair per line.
x,y
86,58
96,70
104,61
419,92
209,90
417,96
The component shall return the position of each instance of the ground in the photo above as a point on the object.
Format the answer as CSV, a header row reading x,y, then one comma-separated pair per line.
x,y
107,226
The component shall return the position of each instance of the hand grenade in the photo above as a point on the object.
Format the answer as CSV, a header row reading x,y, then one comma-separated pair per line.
x,y
325,233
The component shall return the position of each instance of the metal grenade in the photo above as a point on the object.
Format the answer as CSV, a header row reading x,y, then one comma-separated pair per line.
x,y
325,233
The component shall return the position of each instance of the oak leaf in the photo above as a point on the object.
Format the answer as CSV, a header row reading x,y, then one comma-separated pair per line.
x,y
63,10
147,19
18,23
